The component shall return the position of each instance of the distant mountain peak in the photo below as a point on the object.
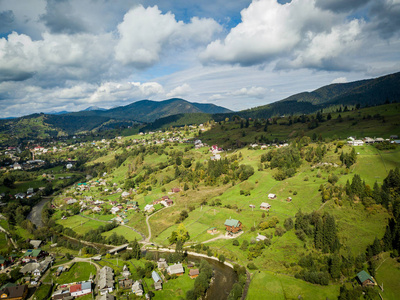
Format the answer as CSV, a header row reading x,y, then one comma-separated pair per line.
x,y
93,107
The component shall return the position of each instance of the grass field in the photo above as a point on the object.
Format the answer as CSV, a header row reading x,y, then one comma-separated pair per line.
x,y
128,233
267,285
388,274
79,272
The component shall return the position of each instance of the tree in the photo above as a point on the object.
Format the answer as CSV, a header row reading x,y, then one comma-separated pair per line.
x,y
221,258
136,251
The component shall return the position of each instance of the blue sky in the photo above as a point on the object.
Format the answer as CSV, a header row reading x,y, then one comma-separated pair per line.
x,y
70,54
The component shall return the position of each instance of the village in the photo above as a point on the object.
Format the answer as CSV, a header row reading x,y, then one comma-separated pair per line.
x,y
101,210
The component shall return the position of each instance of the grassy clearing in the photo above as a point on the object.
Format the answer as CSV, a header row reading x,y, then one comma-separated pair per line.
x,y
128,233
388,274
80,271
267,285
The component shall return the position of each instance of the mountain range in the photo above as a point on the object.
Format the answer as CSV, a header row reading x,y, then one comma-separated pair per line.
x,y
157,114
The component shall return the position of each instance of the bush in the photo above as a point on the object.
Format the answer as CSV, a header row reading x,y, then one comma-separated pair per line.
x,y
251,266
235,243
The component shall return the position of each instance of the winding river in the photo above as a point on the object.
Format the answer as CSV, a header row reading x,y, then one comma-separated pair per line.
x,y
223,280
35,216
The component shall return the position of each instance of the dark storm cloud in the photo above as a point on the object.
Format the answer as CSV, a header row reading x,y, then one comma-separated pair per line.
x,y
60,18
6,20
341,5
14,75
385,18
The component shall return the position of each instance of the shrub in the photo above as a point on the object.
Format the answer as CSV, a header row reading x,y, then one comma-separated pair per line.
x,y
251,266
235,243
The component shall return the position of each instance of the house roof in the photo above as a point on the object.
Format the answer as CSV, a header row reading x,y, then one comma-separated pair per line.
x,y
137,286
106,296
232,222
75,288
175,269
86,285
193,272
265,204
362,276
35,243
155,276
32,252
14,291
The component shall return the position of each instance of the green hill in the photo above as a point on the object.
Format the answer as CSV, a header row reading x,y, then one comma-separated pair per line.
x,y
149,111
364,93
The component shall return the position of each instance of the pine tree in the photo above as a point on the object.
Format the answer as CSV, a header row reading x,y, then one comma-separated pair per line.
x,y
318,237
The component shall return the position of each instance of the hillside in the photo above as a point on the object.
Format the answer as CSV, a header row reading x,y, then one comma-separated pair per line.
x,y
365,93
149,111
377,121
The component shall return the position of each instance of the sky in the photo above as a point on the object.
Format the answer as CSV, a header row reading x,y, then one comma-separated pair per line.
x,y
67,55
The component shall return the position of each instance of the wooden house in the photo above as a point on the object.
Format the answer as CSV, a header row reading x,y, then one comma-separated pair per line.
x,y
265,206
193,273
18,292
365,279
233,226
212,230
176,269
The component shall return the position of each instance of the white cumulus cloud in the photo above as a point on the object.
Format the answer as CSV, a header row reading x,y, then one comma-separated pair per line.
x,y
146,32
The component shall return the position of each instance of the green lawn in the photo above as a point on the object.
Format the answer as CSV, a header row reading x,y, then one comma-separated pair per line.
x,y
79,272
43,292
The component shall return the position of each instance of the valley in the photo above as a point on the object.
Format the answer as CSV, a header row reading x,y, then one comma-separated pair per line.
x,y
178,189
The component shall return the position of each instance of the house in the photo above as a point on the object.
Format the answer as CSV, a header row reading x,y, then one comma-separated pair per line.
x,y
80,289
61,294
176,269
125,194
137,288
20,196
59,270
114,210
125,272
17,166
175,190
96,209
162,264
212,230
394,137
3,262
365,279
35,243
157,280
149,208
29,191
265,206
193,273
260,237
106,280
32,255
106,297
379,140
271,196
14,292
233,226
125,283
252,206
368,140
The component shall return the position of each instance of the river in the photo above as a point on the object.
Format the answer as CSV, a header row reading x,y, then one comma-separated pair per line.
x,y
223,280
35,216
